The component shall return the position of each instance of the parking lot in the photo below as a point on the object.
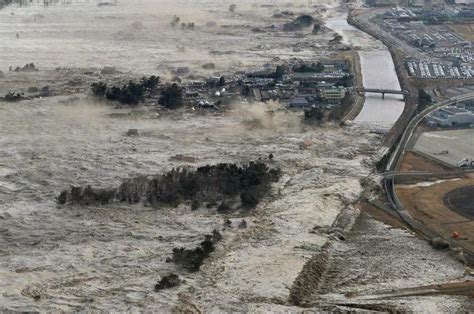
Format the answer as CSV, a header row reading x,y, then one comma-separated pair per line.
x,y
447,146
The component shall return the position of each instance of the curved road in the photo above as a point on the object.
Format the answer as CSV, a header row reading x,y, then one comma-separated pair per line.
x,y
389,181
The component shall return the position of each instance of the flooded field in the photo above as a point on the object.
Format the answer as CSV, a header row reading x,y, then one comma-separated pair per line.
x,y
83,36
67,258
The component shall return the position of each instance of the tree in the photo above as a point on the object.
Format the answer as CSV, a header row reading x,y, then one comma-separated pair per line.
x,y
246,90
175,21
132,94
129,94
150,84
221,82
319,67
336,40
346,80
99,89
280,72
302,68
171,96
316,28
249,199
232,8
304,20
424,100
313,115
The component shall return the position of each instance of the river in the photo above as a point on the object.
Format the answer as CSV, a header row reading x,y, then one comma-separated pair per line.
x,y
378,71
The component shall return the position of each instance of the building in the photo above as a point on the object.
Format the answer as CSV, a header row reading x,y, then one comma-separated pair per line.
x,y
417,3
428,5
333,95
382,3
452,116
299,102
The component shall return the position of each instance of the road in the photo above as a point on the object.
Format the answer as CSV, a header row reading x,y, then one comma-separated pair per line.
x,y
389,181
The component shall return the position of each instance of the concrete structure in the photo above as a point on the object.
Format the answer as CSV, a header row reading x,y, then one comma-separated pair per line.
x,y
424,3
462,115
333,94
381,3
382,91
299,102
428,5
451,147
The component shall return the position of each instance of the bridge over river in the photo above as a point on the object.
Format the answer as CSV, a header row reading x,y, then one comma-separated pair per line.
x,y
383,91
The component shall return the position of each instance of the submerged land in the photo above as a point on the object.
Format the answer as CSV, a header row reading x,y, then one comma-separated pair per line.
x,y
175,156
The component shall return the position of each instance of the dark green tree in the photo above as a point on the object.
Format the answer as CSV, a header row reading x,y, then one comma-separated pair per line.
x,y
99,89
424,100
171,96
280,72
221,82
150,84
304,20
313,115
319,67
316,28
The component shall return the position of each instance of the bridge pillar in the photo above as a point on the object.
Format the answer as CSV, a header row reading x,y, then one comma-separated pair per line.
x,y
383,95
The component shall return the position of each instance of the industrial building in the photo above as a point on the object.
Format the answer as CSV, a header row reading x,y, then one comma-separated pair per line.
x,y
452,116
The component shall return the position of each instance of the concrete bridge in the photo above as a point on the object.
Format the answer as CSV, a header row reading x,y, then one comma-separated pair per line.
x,y
383,91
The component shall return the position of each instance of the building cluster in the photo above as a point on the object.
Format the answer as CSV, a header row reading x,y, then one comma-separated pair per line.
x,y
460,115
426,4
449,55
418,35
300,89
299,85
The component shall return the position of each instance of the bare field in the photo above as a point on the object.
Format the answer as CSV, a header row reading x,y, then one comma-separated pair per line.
x,y
137,36
412,161
425,203
449,146
465,30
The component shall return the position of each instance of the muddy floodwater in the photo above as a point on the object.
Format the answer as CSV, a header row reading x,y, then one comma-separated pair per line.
x,y
110,257
82,35
378,71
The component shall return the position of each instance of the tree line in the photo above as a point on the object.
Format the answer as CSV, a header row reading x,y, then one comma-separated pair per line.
x,y
133,93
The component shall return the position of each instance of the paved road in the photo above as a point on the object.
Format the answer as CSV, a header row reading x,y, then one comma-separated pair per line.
x,y
389,182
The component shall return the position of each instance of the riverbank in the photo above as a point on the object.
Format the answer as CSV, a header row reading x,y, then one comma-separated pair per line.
x,y
340,273
398,57
374,59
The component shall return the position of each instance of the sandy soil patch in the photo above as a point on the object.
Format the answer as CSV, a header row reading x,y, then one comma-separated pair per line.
x,y
426,204
465,30
413,161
